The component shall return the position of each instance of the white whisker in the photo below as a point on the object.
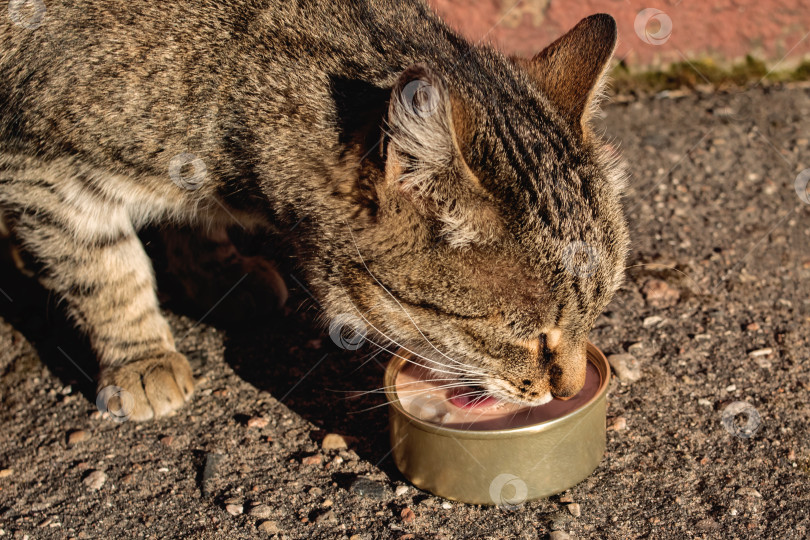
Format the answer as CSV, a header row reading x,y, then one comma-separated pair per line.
x,y
399,303
455,370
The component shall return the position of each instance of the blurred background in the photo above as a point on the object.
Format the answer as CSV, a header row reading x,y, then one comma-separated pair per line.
x,y
725,39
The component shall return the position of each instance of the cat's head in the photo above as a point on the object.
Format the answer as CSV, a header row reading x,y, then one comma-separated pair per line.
x,y
497,234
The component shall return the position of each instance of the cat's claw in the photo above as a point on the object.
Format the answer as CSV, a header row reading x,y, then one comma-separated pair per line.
x,y
145,389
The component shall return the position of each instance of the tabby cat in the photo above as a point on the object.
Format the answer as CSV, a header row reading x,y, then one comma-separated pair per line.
x,y
451,198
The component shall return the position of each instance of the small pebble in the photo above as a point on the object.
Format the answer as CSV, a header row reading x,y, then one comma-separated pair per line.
x,y
731,388
333,441
447,505
327,503
749,492
566,499
329,515
636,348
407,515
95,480
559,535
77,436
261,511
649,322
312,460
791,456
401,490
705,402
558,521
574,509
753,327
761,352
708,524
5,473
167,440
618,424
659,293
269,527
234,509
369,488
315,491
763,362
625,366
210,470
258,422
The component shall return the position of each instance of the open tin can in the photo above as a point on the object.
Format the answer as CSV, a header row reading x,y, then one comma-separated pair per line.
x,y
499,466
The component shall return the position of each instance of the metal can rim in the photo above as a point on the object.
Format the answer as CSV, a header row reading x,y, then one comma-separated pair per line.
x,y
594,355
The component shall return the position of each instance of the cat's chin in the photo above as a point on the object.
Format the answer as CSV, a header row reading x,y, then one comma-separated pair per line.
x,y
477,398
506,399
541,400
487,396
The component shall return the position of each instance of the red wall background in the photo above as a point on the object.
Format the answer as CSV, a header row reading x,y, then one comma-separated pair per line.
x,y
724,30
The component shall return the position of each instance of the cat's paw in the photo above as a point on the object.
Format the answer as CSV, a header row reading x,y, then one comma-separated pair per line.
x,y
272,291
146,389
210,272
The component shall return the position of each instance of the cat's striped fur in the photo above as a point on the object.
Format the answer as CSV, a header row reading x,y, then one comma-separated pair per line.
x,y
293,113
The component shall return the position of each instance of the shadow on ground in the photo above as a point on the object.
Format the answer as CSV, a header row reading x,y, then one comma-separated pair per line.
x,y
283,353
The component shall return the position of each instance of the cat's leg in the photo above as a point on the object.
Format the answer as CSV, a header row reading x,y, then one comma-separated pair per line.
x,y
208,266
91,257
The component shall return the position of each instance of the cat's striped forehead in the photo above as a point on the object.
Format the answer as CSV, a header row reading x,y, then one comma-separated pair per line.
x,y
558,196
499,167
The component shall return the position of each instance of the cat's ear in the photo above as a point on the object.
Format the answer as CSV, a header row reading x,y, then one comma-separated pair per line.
x,y
426,127
422,138
571,71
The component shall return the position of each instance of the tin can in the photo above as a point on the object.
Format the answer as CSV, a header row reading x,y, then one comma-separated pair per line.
x,y
502,467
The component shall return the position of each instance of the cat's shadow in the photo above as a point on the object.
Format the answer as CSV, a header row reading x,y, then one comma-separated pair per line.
x,y
30,310
332,388
285,354
290,356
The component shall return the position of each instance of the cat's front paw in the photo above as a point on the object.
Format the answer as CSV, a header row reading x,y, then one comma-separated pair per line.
x,y
146,389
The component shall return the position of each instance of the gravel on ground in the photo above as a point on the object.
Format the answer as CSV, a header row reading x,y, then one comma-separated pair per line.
x,y
709,417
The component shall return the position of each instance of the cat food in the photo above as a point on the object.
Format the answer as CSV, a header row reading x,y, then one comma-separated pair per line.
x,y
460,444
463,408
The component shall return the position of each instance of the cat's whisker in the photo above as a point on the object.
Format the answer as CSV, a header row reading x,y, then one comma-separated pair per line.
x,y
438,388
360,255
367,358
404,394
461,369
384,404
452,370
383,389
455,370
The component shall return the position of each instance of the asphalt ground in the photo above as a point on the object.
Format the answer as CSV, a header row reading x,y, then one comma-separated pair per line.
x,y
715,312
